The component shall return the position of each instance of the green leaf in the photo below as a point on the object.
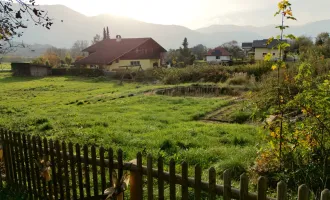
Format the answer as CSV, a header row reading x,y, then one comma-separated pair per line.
x,y
277,13
270,40
290,36
292,18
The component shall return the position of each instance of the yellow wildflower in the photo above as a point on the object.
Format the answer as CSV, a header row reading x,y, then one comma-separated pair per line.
x,y
274,67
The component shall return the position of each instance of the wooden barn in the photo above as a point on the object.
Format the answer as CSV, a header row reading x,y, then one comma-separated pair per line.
x,y
28,69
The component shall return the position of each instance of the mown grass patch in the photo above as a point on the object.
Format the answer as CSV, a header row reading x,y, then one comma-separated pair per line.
x,y
103,113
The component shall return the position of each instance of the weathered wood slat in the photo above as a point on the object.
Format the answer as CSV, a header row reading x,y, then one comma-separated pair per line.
x,y
198,182
160,178
120,170
94,169
73,172
172,180
27,166
244,187
32,167
325,195
17,159
80,174
12,157
227,185
262,188
22,159
184,187
42,157
47,156
303,192
37,167
54,171
102,169
150,178
212,184
66,172
86,169
110,164
59,168
281,191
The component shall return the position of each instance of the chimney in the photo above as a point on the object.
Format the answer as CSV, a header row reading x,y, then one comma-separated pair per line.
x,y
118,38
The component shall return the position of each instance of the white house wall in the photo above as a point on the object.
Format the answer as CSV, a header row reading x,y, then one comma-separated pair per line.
x,y
213,58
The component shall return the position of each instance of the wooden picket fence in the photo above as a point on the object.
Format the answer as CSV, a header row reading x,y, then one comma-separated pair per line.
x,y
85,173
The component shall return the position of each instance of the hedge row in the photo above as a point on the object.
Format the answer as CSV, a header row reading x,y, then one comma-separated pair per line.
x,y
77,72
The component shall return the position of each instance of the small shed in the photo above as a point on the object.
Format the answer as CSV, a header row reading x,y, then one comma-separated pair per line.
x,y
29,69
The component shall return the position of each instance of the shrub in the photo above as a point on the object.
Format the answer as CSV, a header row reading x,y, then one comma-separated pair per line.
x,y
240,117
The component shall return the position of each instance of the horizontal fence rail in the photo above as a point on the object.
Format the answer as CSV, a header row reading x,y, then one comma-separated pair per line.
x,y
55,170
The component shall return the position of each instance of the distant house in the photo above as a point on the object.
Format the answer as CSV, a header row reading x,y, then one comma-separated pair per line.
x,y
28,69
218,54
260,48
110,54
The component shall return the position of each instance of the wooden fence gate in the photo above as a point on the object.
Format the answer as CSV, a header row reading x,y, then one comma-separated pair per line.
x,y
53,170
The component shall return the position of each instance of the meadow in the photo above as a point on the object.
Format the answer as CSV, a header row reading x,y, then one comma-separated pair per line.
x,y
105,113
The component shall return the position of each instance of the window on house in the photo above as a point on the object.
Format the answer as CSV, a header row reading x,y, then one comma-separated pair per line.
x,y
264,54
135,63
274,54
217,57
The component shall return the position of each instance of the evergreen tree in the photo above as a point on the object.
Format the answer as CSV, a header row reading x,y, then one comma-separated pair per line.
x,y
104,34
186,55
108,33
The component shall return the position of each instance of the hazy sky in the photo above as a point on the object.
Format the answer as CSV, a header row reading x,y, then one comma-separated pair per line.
x,y
190,13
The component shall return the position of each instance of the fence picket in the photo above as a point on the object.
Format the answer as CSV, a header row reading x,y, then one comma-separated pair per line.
x,y
110,157
212,183
160,178
59,168
37,167
262,188
47,157
281,191
21,159
325,195
17,159
227,185
66,172
120,171
303,192
80,175
27,167
102,168
42,157
12,157
6,156
244,187
73,171
172,180
94,169
198,182
150,178
184,188
86,169
32,168
53,166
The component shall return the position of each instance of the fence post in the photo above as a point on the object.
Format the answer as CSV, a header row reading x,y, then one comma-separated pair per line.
x,y
303,192
160,178
281,191
212,183
150,178
244,187
227,185
262,188
325,195
198,181
172,180
136,188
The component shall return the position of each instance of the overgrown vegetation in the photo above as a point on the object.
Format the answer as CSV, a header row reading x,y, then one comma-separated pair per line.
x,y
296,100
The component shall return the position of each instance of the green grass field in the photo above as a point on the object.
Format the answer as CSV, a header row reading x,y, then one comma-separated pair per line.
x,y
84,111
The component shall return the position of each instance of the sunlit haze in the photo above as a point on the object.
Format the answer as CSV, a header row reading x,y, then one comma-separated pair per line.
x,y
191,13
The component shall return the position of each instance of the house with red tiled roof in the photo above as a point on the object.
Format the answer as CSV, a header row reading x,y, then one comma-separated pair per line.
x,y
218,54
111,54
